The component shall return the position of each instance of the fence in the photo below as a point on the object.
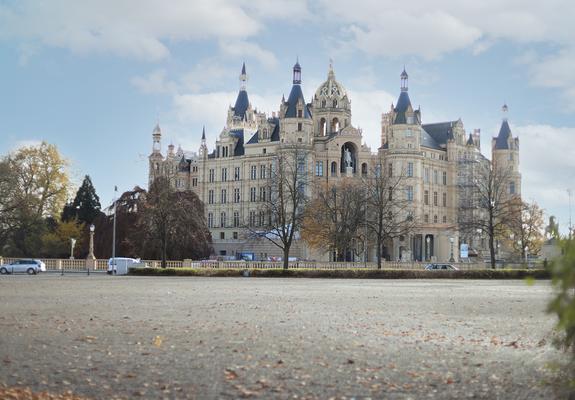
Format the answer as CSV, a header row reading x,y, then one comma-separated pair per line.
x,y
102,265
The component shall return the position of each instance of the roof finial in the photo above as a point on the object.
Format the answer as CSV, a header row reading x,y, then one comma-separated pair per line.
x,y
404,78
204,133
504,111
297,73
243,77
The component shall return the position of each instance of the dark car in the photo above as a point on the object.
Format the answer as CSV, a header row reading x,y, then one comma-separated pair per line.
x,y
433,267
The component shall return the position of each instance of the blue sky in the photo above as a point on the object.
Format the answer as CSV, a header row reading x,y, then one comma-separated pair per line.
x,y
93,77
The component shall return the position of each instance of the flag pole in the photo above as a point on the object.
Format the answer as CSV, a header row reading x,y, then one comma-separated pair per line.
x,y
114,231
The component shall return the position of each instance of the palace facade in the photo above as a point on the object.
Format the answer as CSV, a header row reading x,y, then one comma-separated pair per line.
x,y
437,159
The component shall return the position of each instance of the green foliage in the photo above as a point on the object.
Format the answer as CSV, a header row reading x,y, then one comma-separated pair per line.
x,y
563,304
86,205
56,243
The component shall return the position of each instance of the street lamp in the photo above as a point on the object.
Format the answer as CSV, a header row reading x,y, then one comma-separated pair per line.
x,y
72,244
427,248
451,240
91,250
527,256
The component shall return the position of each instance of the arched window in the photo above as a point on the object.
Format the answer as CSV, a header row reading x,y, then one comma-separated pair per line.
x,y
323,103
334,103
322,127
364,169
333,168
335,125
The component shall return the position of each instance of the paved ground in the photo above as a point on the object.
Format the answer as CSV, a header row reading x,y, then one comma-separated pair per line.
x,y
137,337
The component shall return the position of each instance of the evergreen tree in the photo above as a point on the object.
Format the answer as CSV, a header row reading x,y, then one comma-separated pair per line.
x,y
86,205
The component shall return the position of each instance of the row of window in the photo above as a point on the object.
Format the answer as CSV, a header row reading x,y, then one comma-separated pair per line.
x,y
265,193
264,172
256,219
426,174
435,219
435,198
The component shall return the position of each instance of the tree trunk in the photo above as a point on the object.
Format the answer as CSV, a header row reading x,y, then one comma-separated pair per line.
x,y
492,250
164,253
378,253
286,258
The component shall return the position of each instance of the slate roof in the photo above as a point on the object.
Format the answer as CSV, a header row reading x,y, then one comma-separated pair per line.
x,y
295,95
242,104
441,132
275,137
403,104
428,141
255,138
502,140
239,134
470,140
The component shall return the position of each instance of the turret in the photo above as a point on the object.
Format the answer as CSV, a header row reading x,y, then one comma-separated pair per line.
x,y
505,154
157,139
203,146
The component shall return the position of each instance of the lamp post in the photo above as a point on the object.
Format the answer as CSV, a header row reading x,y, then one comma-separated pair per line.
x,y
527,256
91,259
72,244
427,249
451,240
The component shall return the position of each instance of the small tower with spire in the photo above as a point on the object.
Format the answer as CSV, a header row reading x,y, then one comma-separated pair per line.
x,y
155,159
297,73
203,146
243,77
157,139
505,154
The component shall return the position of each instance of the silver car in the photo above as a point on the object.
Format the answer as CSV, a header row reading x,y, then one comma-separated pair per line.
x,y
31,267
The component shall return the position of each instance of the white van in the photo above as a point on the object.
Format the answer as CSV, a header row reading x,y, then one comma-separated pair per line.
x,y
120,265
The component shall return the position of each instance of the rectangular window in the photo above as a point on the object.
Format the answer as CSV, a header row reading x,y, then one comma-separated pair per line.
x,y
212,176
409,193
444,219
511,187
210,197
252,218
194,181
253,194
262,172
435,219
435,198
444,195
426,175
253,172
223,219
390,169
299,126
319,168
236,219
236,195
435,177
261,218
210,220
409,169
224,196
444,178
426,218
223,237
426,197
299,113
237,174
262,194
224,174
235,235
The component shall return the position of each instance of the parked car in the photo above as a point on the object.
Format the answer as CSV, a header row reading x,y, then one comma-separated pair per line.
x,y
30,266
120,265
432,267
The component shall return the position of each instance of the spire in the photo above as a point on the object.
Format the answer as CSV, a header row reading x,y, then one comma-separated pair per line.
x,y
404,78
156,139
504,111
243,77
297,73
330,73
204,133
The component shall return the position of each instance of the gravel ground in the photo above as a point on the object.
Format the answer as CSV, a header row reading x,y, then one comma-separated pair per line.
x,y
206,338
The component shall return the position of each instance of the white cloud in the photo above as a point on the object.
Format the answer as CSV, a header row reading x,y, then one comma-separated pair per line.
x,y
547,159
127,28
366,108
154,83
244,49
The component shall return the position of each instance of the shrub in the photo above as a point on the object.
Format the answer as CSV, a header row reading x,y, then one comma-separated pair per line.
x,y
347,273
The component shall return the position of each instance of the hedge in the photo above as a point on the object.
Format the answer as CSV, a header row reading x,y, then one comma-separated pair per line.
x,y
347,273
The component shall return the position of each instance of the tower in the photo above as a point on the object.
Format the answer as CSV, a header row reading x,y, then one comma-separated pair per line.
x,y
203,146
505,154
331,107
296,124
155,159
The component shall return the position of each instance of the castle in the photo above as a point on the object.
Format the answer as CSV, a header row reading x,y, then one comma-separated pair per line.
x,y
438,160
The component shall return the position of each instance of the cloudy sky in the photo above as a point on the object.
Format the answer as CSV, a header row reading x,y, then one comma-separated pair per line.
x,y
93,76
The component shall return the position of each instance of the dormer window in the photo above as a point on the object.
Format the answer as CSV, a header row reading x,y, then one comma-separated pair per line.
x,y
299,113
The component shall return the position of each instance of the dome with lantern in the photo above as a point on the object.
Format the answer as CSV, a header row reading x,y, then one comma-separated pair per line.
x,y
331,93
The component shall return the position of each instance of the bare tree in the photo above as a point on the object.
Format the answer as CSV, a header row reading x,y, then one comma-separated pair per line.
x,y
388,212
335,218
280,213
495,208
